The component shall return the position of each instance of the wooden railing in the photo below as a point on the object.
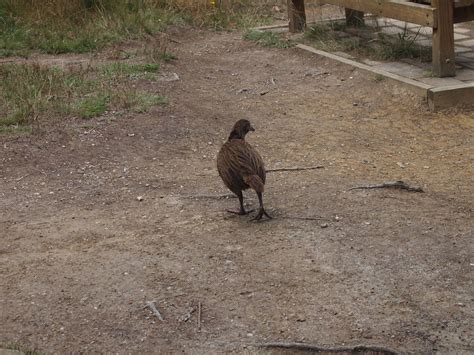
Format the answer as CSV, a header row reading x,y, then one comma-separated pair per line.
x,y
440,15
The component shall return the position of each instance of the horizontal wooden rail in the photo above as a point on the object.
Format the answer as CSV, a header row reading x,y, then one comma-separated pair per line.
x,y
397,9
464,14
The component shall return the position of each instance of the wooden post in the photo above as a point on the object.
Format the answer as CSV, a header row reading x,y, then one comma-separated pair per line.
x,y
296,15
354,18
443,39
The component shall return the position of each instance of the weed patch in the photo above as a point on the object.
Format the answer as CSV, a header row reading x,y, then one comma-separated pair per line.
x,y
78,26
32,92
267,39
121,69
90,107
137,101
333,37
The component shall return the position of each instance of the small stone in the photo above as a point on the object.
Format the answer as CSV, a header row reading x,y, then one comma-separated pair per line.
x,y
324,225
140,198
401,165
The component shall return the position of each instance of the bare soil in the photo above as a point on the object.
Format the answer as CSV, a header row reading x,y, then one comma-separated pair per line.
x,y
81,255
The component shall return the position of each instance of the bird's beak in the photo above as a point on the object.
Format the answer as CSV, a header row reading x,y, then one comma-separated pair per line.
x,y
252,129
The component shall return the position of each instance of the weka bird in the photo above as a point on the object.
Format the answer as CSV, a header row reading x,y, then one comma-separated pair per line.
x,y
241,167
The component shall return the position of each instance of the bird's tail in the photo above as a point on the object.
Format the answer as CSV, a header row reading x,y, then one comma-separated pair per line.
x,y
254,182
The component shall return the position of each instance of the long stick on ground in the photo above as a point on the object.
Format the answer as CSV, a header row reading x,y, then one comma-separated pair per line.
x,y
390,185
335,349
216,197
199,316
303,218
156,312
295,169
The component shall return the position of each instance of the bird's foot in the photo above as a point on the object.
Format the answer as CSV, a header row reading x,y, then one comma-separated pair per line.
x,y
241,212
260,214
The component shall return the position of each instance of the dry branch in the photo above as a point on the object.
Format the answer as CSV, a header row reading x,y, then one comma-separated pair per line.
x,y
295,169
401,185
303,218
217,197
199,316
335,349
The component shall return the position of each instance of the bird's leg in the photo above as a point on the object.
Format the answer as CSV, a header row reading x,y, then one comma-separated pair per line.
x,y
261,211
242,209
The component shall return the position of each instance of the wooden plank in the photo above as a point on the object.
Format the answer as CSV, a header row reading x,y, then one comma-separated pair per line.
x,y
443,39
296,15
461,3
354,18
449,96
396,9
464,14
414,86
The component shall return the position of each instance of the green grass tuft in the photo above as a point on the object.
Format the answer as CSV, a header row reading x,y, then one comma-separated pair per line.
x,y
267,39
331,37
17,347
91,107
167,57
129,70
33,92
137,101
78,26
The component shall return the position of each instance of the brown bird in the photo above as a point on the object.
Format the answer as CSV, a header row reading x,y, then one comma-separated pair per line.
x,y
241,167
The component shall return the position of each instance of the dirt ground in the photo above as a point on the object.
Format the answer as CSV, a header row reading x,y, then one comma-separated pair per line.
x,y
80,254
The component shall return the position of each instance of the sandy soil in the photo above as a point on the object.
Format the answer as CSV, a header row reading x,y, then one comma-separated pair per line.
x,y
80,254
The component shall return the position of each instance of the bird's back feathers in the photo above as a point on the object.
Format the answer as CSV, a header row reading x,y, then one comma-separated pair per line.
x,y
240,166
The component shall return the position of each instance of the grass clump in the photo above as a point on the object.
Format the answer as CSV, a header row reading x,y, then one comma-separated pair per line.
x,y
17,347
121,69
267,39
404,46
137,101
90,107
333,37
32,92
78,26
27,91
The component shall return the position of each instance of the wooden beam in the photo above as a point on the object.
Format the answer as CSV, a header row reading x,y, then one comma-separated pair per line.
x,y
396,9
414,86
464,14
354,18
296,15
449,96
443,39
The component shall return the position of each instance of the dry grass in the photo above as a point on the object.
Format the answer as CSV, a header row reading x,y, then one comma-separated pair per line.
x,y
366,42
61,26
31,93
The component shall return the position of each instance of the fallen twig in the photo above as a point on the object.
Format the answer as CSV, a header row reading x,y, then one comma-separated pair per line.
x,y
21,178
295,169
390,185
302,218
156,312
199,316
335,349
217,197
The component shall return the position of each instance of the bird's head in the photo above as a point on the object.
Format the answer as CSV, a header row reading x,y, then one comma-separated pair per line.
x,y
240,129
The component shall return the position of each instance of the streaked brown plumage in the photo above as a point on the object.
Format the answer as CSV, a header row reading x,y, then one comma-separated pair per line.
x,y
241,167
